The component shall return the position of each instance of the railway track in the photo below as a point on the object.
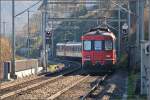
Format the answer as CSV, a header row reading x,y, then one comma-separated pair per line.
x,y
54,96
49,88
11,90
95,87
52,89
79,90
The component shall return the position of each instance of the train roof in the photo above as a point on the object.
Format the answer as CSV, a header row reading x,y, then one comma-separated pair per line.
x,y
100,31
105,29
60,44
70,44
75,44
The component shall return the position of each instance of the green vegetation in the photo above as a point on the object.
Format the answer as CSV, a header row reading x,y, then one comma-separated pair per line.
x,y
74,30
34,51
19,58
132,79
5,47
131,85
123,61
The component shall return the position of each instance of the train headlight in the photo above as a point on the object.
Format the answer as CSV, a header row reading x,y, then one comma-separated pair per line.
x,y
87,58
108,56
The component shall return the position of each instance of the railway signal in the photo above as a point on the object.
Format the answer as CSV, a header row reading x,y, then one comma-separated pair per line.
x,y
48,34
124,29
48,37
147,48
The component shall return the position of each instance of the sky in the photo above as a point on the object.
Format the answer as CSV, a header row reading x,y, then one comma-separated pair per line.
x,y
21,20
21,5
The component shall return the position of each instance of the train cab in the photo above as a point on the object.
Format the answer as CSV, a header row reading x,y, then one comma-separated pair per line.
x,y
98,49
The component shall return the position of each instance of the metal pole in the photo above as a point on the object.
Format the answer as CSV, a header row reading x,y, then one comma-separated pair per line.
x,y
52,51
28,40
149,19
52,42
99,5
141,26
137,24
0,34
0,19
119,32
43,52
4,23
12,73
149,55
44,38
141,16
129,36
129,23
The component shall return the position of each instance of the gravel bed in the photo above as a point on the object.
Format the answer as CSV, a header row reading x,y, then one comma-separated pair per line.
x,y
17,81
114,87
48,89
25,84
119,79
79,90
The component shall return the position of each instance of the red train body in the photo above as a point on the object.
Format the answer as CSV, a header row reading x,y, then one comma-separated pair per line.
x,y
98,49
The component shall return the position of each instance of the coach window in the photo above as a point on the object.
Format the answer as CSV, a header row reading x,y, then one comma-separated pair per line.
x,y
58,48
97,45
87,45
108,45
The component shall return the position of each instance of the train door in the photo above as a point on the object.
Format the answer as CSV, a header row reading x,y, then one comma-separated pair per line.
x,y
87,53
98,52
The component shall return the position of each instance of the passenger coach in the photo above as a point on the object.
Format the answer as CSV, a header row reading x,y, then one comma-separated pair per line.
x,y
69,49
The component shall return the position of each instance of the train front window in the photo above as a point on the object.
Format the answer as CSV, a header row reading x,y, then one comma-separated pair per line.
x,y
108,45
97,45
87,45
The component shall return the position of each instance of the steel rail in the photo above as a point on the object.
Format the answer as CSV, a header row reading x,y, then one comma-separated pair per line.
x,y
9,84
99,82
35,85
4,86
66,89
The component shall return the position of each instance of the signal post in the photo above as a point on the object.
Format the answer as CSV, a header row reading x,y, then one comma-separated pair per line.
x,y
145,68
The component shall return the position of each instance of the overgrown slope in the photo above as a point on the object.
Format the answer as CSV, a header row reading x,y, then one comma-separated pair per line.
x,y
5,49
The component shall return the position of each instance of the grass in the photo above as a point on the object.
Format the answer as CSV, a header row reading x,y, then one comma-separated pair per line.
x,y
132,78
123,62
19,58
131,85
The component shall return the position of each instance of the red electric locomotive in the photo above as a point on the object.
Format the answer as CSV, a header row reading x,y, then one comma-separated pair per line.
x,y
98,50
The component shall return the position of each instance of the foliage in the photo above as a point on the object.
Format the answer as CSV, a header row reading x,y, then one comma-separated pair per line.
x,y
19,57
34,53
132,79
123,61
131,85
74,30
5,49
35,45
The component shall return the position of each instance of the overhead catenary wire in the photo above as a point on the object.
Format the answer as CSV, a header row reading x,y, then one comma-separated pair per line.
x,y
126,10
12,73
27,9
